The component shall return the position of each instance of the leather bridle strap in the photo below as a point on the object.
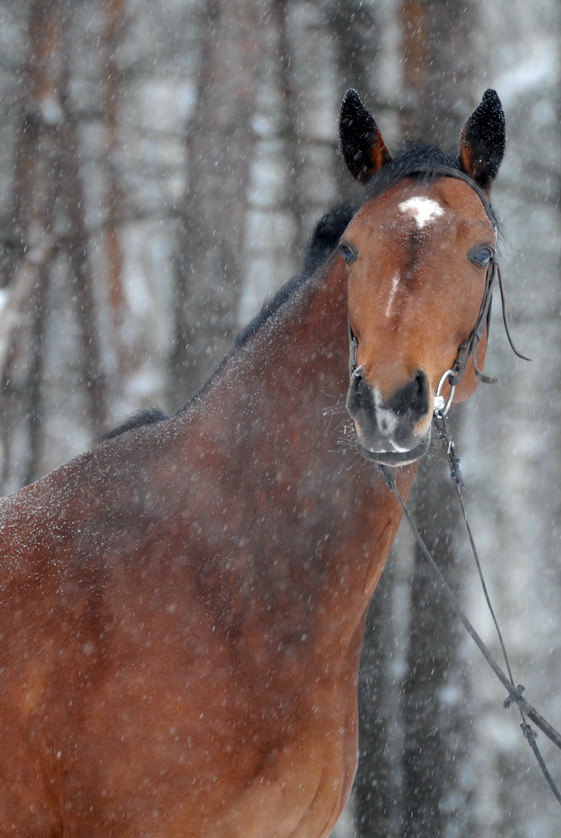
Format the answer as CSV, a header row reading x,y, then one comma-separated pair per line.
x,y
451,171
469,347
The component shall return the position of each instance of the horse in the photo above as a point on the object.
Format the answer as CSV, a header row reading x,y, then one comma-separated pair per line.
x,y
183,605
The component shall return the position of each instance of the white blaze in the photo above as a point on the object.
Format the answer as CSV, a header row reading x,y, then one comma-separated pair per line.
x,y
423,210
393,290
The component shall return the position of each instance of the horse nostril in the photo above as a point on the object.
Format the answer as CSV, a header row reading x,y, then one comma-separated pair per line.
x,y
359,397
422,397
422,390
413,397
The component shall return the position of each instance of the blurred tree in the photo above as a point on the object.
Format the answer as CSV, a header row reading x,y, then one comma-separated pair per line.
x,y
439,61
220,140
35,189
377,791
73,208
290,128
49,216
413,798
378,788
114,26
355,35
438,69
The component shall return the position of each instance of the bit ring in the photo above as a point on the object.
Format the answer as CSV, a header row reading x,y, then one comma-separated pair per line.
x,y
441,405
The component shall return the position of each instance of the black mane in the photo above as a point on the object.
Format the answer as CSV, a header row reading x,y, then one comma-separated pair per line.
x,y
323,242
143,417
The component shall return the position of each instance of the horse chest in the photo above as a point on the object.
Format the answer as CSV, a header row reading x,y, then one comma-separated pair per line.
x,y
302,783
283,761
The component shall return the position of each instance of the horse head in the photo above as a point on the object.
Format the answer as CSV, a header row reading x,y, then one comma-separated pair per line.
x,y
420,255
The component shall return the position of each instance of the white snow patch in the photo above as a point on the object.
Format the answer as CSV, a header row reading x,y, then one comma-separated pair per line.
x,y
424,210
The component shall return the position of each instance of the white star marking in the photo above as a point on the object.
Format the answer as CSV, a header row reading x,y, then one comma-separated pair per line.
x,y
423,210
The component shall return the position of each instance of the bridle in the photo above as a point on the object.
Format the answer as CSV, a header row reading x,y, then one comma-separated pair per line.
x,y
469,347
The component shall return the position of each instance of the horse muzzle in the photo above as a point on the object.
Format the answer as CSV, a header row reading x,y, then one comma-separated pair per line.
x,y
392,432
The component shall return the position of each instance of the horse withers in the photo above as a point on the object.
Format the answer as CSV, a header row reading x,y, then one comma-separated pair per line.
x,y
182,607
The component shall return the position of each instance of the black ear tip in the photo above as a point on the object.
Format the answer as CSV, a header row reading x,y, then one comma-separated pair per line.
x,y
491,101
489,113
351,99
482,142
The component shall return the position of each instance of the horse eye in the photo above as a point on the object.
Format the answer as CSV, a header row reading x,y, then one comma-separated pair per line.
x,y
481,255
348,251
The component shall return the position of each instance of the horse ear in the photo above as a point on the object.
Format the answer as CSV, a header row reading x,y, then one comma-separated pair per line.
x,y
482,142
362,145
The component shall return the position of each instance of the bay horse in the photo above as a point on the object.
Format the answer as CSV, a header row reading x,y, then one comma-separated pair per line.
x,y
182,607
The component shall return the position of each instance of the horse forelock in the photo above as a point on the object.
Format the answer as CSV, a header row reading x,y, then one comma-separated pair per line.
x,y
414,153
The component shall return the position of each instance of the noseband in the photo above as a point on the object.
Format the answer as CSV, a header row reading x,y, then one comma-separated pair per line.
x,y
469,347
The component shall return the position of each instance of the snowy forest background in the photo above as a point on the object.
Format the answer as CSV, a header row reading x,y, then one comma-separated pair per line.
x,y
162,166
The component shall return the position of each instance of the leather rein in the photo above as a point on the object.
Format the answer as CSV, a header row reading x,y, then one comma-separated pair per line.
x,y
466,350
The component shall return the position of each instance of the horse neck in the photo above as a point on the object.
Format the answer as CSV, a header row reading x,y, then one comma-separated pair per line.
x,y
311,519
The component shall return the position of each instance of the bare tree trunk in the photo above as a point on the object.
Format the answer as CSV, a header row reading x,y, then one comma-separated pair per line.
x,y
33,397
220,141
290,128
377,789
437,83
438,46
356,43
114,22
35,186
47,181
436,690
74,203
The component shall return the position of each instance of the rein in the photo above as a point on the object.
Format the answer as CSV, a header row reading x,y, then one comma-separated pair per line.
x,y
514,693
468,350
